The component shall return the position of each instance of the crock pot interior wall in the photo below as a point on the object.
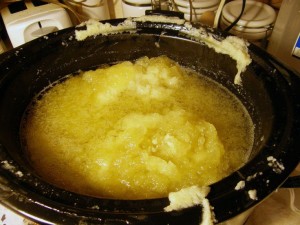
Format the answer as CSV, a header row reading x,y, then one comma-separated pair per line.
x,y
37,64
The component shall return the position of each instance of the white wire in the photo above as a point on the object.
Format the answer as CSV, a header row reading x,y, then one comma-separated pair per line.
x,y
292,201
218,13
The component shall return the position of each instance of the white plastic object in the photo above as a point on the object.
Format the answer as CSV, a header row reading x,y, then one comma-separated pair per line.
x,y
284,42
199,7
197,3
135,8
34,21
139,2
256,22
10,217
218,14
91,9
197,11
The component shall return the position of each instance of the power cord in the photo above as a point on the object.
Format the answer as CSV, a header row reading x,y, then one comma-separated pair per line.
x,y
218,14
237,19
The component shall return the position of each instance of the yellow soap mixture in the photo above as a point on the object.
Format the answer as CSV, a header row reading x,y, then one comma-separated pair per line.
x,y
136,130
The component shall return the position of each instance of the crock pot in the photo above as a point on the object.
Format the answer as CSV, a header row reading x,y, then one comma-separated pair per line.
x,y
134,8
198,8
256,23
269,91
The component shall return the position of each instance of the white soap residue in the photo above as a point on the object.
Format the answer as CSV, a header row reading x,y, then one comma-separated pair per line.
x,y
19,174
192,196
95,207
235,47
207,214
240,185
94,28
6,165
252,194
160,19
249,178
277,167
187,197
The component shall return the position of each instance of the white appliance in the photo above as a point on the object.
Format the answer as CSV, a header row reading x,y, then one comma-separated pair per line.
x,y
199,8
135,8
25,20
256,22
90,9
285,39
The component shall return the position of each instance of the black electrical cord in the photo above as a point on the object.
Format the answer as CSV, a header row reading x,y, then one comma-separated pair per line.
x,y
191,10
237,19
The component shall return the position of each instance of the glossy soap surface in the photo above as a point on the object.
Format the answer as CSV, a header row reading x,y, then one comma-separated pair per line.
x,y
136,130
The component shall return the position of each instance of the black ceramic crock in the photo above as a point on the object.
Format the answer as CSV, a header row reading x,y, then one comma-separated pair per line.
x,y
269,91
